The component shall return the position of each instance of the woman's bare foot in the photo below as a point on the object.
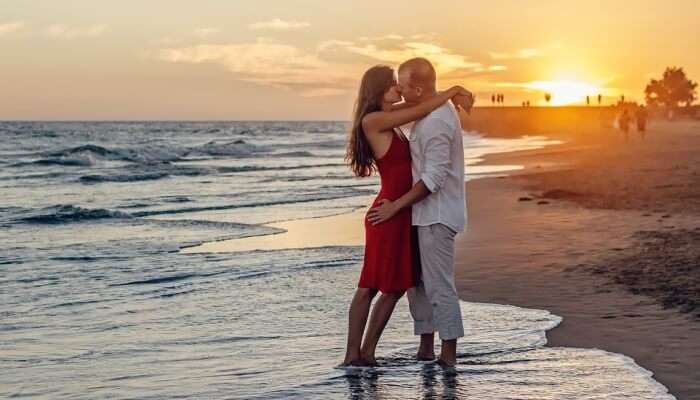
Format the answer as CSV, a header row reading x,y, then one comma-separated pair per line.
x,y
359,362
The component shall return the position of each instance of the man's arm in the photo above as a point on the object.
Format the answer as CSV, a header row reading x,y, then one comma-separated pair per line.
x,y
435,168
388,208
436,154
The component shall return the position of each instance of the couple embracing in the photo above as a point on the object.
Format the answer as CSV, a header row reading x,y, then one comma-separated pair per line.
x,y
410,229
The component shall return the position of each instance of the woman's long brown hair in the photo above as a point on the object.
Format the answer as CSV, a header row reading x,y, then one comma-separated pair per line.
x,y
375,82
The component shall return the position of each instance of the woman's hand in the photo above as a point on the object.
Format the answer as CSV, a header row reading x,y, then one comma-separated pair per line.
x,y
464,99
383,212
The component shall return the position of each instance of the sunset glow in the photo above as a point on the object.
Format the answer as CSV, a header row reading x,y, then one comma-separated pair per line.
x,y
303,60
565,92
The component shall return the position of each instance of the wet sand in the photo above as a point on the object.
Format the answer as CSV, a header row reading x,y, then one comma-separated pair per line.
x,y
582,230
336,230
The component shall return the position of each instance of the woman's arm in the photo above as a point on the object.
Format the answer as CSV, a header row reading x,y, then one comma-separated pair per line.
x,y
385,120
401,106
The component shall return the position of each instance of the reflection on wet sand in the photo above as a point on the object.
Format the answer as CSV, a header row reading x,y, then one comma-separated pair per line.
x,y
435,383
337,230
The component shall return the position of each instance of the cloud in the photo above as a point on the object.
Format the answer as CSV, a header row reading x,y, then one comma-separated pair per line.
x,y
204,32
521,54
278,25
332,68
390,36
444,60
269,63
11,27
69,32
334,44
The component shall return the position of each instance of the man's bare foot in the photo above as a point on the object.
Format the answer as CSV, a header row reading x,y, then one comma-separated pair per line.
x,y
441,362
370,361
447,368
425,356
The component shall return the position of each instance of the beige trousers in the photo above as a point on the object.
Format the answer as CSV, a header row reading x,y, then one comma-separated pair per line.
x,y
434,303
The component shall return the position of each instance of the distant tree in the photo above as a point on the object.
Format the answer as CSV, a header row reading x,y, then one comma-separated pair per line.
x,y
548,97
600,99
588,100
672,90
493,99
622,99
503,98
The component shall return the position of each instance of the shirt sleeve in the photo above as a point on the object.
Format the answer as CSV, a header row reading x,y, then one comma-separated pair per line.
x,y
436,152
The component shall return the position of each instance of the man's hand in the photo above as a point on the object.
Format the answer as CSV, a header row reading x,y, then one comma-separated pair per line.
x,y
383,212
464,101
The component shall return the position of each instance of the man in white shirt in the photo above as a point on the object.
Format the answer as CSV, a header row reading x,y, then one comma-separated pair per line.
x,y
439,211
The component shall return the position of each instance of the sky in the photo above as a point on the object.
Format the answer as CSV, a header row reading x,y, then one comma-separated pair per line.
x,y
303,59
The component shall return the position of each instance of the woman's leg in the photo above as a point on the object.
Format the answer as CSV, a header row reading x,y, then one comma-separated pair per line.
x,y
381,312
357,319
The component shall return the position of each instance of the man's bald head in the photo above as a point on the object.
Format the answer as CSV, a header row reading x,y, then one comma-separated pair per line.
x,y
417,79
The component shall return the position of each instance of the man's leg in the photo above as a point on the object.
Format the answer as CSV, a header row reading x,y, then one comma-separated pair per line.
x,y
438,278
423,325
422,314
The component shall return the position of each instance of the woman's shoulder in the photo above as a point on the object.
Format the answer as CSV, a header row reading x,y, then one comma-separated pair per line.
x,y
369,124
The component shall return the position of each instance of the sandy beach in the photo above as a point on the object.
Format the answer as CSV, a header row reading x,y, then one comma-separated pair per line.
x,y
603,233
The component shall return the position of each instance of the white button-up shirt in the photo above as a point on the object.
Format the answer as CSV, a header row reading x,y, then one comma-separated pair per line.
x,y
437,159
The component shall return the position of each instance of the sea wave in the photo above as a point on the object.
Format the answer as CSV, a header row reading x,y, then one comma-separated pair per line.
x,y
123,178
64,213
89,154
234,148
143,155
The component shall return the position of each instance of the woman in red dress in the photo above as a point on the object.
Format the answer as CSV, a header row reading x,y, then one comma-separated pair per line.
x,y
376,144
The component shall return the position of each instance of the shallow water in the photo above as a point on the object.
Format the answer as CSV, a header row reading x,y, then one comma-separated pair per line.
x,y
96,301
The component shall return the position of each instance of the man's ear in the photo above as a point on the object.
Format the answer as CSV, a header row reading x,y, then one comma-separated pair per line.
x,y
419,91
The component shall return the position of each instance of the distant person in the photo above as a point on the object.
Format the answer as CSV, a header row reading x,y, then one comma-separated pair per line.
x,y
624,123
377,144
641,118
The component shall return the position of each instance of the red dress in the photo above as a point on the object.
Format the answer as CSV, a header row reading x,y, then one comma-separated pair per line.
x,y
389,251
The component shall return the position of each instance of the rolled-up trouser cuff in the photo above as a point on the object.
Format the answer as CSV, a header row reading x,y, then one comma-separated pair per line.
x,y
423,327
451,332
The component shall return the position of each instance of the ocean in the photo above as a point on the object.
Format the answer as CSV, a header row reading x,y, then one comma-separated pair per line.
x,y
97,301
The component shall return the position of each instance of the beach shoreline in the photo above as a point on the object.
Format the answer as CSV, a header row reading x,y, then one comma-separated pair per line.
x,y
531,243
540,238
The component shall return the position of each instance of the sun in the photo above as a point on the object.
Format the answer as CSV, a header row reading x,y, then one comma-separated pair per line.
x,y
565,92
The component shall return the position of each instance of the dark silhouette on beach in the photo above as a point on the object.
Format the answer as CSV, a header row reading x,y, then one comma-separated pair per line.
x,y
640,116
671,91
624,123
